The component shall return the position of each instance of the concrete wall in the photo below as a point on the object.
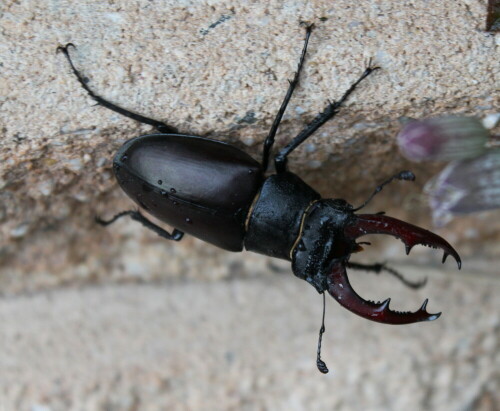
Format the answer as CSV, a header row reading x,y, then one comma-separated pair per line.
x,y
116,318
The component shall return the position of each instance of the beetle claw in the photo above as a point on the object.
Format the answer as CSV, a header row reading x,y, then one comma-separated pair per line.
x,y
340,289
410,234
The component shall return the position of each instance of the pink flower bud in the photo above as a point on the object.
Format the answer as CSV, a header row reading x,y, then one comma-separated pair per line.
x,y
443,139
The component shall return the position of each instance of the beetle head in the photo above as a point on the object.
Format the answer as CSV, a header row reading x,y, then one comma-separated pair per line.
x,y
328,238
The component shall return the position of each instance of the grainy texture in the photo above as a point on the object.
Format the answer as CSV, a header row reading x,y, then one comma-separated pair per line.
x,y
219,68
216,68
249,345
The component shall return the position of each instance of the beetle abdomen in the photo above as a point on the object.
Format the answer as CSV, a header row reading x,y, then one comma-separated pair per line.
x,y
200,186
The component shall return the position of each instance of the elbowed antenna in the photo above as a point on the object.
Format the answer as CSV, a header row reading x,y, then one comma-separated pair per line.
x,y
319,362
402,175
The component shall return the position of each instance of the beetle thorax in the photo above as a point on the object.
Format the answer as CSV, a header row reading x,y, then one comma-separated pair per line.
x,y
276,215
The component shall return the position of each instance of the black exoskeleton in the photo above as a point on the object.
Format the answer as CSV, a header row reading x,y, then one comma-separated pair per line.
x,y
220,194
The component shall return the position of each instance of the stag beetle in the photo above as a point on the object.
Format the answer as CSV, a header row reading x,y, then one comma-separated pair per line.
x,y
218,193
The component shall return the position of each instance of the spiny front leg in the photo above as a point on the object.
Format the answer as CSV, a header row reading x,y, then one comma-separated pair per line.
x,y
330,112
268,144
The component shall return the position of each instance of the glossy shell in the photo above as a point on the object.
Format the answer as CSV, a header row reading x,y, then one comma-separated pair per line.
x,y
277,214
200,186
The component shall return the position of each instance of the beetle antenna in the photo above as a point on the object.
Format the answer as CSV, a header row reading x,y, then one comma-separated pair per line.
x,y
402,175
319,362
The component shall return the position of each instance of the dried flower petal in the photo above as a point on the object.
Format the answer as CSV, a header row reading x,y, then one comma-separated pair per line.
x,y
443,139
465,186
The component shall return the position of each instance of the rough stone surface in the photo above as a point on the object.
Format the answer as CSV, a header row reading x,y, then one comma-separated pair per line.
x,y
250,344
219,68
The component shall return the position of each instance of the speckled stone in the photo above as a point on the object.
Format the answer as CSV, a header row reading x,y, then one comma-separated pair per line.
x,y
250,344
208,329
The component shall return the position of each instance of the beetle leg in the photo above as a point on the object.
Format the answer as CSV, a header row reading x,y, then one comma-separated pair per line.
x,y
137,216
161,127
410,234
340,289
330,111
379,267
268,144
